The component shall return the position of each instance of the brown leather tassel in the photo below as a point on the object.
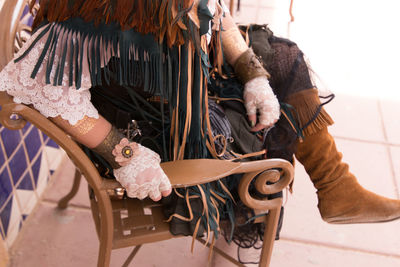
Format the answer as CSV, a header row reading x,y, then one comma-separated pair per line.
x,y
144,16
92,10
122,11
186,128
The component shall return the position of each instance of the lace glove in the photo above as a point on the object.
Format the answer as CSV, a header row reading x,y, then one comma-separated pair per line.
x,y
141,174
136,167
258,95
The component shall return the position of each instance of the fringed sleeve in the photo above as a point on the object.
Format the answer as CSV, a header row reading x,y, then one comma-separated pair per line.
x,y
50,91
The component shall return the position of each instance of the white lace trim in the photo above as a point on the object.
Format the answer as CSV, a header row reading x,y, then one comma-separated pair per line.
x,y
258,95
66,101
143,175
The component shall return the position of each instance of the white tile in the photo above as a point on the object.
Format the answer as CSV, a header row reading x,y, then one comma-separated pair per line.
x,y
356,117
395,153
302,220
390,113
27,199
43,175
370,163
13,226
1,232
54,156
295,254
61,182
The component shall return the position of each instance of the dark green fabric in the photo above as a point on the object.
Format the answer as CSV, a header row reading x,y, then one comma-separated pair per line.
x,y
258,34
162,73
244,140
140,79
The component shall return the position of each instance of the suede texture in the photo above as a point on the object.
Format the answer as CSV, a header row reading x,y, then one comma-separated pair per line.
x,y
341,199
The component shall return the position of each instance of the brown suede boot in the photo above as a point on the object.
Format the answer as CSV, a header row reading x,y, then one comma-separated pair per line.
x,y
340,198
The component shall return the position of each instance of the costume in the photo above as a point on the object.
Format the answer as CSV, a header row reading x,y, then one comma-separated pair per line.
x,y
163,51
162,64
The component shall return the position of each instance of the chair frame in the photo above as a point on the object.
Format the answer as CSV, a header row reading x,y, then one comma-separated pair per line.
x,y
14,116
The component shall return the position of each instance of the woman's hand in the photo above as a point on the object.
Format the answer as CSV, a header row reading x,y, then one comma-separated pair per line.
x,y
258,96
143,176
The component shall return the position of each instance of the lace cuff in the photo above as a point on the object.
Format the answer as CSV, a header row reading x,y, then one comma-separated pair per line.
x,y
143,176
258,95
70,103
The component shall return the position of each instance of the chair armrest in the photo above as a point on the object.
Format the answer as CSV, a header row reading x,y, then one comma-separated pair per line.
x,y
270,176
182,173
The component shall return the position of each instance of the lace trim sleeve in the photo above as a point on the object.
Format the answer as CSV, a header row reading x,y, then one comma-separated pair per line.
x,y
64,100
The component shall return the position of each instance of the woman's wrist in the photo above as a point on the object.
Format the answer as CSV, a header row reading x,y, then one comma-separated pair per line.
x,y
106,147
247,67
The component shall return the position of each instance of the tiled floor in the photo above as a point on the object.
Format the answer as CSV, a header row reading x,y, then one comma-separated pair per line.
x,y
352,47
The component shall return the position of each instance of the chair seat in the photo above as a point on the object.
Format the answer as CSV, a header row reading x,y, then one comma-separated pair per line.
x,y
137,222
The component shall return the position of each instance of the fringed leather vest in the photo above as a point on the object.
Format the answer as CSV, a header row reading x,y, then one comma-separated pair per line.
x,y
161,46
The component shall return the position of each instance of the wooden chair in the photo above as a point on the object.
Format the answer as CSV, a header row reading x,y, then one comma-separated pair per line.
x,y
130,222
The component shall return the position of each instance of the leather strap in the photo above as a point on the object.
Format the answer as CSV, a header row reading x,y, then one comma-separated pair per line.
x,y
106,147
248,67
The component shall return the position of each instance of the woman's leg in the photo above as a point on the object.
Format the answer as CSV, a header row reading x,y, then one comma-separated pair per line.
x,y
340,198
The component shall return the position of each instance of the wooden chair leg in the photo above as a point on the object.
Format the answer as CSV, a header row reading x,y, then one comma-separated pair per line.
x,y
104,257
4,260
95,210
222,253
269,236
63,203
106,230
131,256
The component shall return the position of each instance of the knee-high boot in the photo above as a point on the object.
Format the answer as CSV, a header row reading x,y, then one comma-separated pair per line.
x,y
340,198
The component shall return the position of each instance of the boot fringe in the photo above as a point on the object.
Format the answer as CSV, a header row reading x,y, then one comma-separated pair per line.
x,y
306,104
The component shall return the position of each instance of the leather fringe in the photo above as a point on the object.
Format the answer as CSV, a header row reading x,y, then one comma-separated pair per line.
x,y
129,58
140,63
306,103
214,197
163,18
149,43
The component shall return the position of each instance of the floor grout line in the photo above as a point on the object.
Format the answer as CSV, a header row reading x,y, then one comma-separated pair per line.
x,y
388,150
385,143
70,206
339,247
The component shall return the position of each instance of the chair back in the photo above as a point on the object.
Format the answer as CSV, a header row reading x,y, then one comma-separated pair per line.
x,y
15,27
127,222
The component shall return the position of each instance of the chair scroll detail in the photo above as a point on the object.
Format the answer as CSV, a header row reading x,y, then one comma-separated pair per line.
x,y
180,173
115,216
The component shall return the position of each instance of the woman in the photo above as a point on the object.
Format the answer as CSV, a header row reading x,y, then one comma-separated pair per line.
x,y
163,63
